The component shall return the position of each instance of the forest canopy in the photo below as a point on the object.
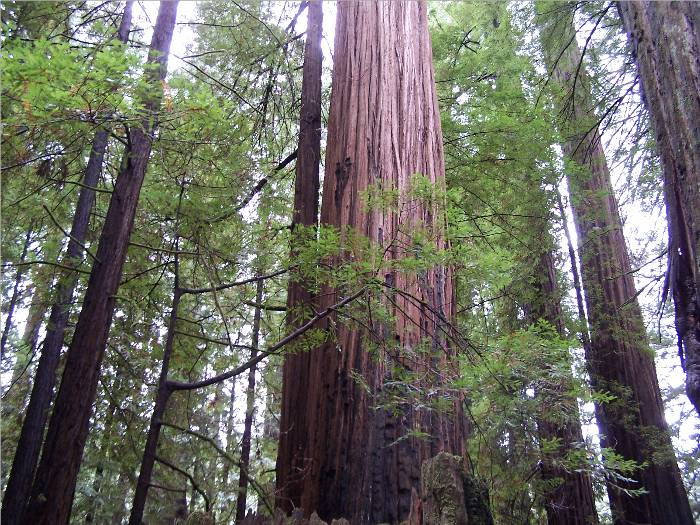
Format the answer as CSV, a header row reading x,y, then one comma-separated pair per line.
x,y
375,261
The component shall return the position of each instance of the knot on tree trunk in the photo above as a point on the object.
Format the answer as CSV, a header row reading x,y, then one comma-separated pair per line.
x,y
451,496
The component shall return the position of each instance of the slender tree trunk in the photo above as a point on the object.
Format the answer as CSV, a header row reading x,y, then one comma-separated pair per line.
x,y
665,38
580,309
384,127
53,490
14,298
295,372
27,454
620,361
571,501
244,464
106,441
230,437
162,396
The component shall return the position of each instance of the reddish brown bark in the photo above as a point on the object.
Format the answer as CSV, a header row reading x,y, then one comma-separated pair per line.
x,y
665,38
384,127
619,361
54,486
290,459
27,454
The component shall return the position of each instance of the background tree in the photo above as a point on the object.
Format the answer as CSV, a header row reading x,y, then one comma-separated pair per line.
x,y
619,362
669,76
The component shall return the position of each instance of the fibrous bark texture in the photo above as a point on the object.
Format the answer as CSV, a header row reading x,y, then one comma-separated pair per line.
x,y
665,38
620,361
54,486
29,444
450,496
361,462
292,439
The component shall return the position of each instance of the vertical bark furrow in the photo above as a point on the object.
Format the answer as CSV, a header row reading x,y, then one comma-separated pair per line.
x,y
665,39
620,361
384,128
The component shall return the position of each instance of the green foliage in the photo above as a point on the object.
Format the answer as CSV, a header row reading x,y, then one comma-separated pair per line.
x,y
214,198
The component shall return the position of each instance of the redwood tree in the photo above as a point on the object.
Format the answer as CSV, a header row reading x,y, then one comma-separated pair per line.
x,y
295,371
619,359
54,486
362,461
665,38
27,453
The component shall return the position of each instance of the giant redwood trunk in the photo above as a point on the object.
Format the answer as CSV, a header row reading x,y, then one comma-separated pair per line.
x,y
54,486
619,359
291,460
665,38
361,462
27,454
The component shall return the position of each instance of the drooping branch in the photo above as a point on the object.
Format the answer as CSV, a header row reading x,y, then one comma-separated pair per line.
x,y
186,474
256,189
176,385
225,455
220,287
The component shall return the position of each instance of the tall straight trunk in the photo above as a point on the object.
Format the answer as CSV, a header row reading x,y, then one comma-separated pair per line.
x,y
295,371
244,464
665,38
571,501
620,360
362,462
162,396
230,437
14,298
54,487
27,454
573,261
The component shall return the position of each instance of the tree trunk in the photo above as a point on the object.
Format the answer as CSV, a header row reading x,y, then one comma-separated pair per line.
x,y
230,437
244,465
27,455
384,127
665,38
295,371
162,396
14,298
53,490
21,381
571,502
620,361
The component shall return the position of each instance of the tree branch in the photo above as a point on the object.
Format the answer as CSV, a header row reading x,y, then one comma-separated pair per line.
x,y
176,385
235,283
188,476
